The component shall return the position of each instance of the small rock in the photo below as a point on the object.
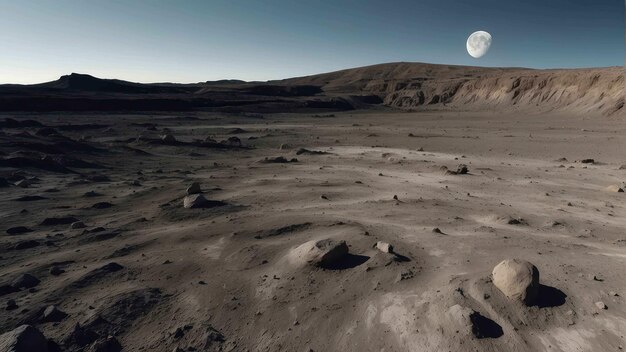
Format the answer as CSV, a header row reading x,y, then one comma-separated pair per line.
x,y
25,281
23,183
462,169
601,305
56,271
77,225
588,161
405,275
11,305
53,314
168,138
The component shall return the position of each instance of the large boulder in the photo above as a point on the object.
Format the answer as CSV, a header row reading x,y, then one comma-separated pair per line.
x,y
517,279
23,339
322,253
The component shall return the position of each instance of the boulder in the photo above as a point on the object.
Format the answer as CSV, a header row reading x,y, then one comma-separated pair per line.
x,y
194,188
517,279
384,247
322,253
25,338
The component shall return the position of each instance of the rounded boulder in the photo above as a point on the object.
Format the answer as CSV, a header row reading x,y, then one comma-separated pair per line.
x,y
517,279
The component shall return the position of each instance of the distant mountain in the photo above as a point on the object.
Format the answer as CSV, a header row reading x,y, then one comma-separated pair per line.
x,y
88,83
401,85
418,85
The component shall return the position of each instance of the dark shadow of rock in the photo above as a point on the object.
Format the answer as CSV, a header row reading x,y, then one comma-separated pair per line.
x,y
483,327
349,261
549,297
400,258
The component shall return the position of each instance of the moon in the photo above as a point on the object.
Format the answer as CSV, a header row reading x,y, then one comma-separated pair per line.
x,y
478,44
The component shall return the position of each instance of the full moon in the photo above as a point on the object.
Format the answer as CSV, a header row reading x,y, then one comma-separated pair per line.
x,y
478,44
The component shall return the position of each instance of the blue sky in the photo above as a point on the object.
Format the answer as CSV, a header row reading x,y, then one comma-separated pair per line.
x,y
194,40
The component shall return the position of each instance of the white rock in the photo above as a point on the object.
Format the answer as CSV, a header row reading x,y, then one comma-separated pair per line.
x,y
517,279
384,247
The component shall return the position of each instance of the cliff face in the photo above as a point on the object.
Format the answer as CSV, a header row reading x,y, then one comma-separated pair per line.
x,y
406,85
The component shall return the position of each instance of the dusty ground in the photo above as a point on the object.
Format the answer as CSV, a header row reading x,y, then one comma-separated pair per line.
x,y
222,275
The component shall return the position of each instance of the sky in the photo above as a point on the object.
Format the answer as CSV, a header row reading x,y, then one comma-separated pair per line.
x,y
200,40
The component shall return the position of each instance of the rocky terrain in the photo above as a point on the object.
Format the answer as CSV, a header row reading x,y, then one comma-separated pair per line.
x,y
431,228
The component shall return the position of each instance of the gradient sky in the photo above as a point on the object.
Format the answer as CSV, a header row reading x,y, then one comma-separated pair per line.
x,y
194,40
